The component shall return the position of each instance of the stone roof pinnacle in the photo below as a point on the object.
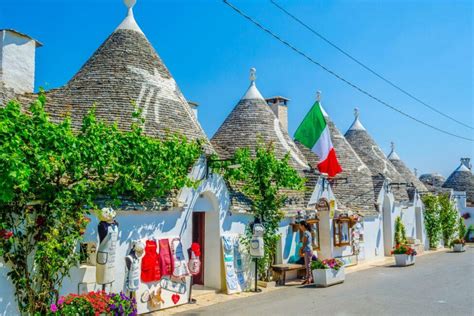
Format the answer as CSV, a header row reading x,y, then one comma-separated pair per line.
x,y
252,91
357,125
129,22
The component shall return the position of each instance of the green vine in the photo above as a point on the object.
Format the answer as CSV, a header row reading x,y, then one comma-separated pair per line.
x,y
49,173
261,178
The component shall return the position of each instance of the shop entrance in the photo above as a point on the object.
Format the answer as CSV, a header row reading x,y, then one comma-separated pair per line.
x,y
206,232
199,227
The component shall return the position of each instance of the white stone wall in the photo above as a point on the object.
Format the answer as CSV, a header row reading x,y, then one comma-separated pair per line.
x,y
17,61
460,199
372,246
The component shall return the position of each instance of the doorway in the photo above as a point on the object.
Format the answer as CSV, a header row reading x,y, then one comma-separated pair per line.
x,y
199,225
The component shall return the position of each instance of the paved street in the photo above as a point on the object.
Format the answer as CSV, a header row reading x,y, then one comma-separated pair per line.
x,y
439,284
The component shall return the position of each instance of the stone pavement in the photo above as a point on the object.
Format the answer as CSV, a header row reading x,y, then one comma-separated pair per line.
x,y
206,298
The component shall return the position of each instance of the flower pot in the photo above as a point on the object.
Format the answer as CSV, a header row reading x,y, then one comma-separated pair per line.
x,y
458,248
404,260
327,277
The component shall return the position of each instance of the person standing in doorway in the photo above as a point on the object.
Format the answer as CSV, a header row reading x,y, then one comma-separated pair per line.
x,y
307,250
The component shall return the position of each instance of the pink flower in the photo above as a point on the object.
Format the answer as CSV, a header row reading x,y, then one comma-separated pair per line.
x,y
54,308
61,300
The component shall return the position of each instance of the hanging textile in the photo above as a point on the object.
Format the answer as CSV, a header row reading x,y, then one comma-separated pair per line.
x,y
232,282
151,263
105,261
194,264
166,260
180,267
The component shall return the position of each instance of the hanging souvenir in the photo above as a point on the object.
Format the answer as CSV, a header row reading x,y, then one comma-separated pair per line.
x,y
194,264
150,263
180,268
155,299
132,263
108,235
232,281
166,261
174,286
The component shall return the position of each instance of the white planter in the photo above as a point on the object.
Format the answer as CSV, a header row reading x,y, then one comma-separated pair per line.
x,y
458,247
327,277
404,260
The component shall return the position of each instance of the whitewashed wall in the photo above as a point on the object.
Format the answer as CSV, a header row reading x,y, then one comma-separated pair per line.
x,y
460,198
373,238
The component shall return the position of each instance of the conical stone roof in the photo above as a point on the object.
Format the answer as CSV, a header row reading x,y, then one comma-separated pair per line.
x,y
374,158
405,172
353,187
124,70
357,193
250,121
462,179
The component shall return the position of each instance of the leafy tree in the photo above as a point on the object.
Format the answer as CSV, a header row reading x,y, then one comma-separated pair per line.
x,y
400,232
262,178
448,217
50,178
432,219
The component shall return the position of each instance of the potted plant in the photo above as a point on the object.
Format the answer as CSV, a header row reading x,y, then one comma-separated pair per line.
x,y
458,243
327,272
404,255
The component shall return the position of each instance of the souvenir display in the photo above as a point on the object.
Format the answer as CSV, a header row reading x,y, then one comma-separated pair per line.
x,y
194,264
108,234
166,261
175,298
180,267
155,299
150,263
174,286
239,263
145,296
132,263
232,282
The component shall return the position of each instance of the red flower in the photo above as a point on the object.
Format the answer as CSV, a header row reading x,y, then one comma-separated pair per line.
x,y
6,234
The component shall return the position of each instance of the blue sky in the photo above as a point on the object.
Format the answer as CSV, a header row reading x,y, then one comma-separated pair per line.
x,y
425,46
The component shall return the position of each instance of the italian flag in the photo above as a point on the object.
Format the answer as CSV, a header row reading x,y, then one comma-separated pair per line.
x,y
313,132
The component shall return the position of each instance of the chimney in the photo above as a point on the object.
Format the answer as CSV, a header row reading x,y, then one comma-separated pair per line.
x,y
279,106
466,162
17,60
194,106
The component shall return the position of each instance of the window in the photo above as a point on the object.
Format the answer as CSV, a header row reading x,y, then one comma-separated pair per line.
x,y
341,232
315,233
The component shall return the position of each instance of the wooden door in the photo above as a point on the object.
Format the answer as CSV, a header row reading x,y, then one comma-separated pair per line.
x,y
198,237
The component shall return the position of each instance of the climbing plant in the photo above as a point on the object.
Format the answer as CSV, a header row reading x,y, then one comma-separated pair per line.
x,y
448,218
432,219
400,232
50,178
262,178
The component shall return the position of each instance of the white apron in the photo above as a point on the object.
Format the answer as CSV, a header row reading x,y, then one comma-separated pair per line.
x,y
133,274
105,264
